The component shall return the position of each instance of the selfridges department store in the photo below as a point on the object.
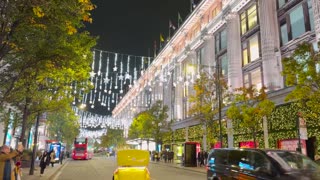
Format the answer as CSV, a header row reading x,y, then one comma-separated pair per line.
x,y
245,38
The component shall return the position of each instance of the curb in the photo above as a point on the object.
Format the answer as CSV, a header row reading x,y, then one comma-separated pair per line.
x,y
54,174
179,167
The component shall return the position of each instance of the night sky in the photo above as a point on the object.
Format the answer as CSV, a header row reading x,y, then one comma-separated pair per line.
x,y
132,26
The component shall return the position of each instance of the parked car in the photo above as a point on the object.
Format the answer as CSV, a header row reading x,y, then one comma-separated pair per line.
x,y
132,164
263,164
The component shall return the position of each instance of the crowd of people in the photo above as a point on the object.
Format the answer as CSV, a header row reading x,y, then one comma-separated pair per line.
x,y
10,161
166,156
202,158
49,158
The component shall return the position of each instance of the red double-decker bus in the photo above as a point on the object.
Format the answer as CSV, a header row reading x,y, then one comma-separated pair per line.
x,y
82,148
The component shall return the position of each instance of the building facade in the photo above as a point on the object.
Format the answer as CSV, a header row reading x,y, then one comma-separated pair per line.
x,y
245,39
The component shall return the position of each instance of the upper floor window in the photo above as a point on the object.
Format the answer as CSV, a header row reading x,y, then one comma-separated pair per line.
x,y
221,41
296,22
281,3
311,15
249,19
200,60
250,49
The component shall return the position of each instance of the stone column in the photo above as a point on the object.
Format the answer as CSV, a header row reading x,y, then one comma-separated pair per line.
x,y
234,51
316,13
179,93
230,133
272,77
187,134
209,53
204,137
265,132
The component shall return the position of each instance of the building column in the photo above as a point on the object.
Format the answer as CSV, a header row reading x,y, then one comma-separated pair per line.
x,y
235,79
316,13
230,133
265,132
204,137
178,99
272,77
187,134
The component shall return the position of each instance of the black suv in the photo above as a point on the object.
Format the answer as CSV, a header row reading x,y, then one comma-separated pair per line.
x,y
247,164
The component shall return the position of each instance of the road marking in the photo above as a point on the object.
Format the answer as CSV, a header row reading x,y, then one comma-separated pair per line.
x,y
55,177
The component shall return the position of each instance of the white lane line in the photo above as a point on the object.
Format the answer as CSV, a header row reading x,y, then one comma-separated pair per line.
x,y
59,171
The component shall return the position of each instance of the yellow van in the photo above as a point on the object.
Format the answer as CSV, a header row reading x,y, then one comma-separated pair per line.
x,y
132,164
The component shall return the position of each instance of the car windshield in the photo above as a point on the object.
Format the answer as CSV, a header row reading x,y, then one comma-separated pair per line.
x,y
293,160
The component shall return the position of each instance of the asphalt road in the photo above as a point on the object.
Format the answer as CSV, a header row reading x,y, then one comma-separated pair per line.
x,y
101,168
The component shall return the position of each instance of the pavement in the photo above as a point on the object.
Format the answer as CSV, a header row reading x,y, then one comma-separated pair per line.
x,y
51,172
178,165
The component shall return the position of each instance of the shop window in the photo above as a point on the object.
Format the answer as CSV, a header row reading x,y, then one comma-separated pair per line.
x,y
249,19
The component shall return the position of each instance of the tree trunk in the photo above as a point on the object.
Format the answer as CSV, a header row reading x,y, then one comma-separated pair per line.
x,y
35,145
24,122
6,129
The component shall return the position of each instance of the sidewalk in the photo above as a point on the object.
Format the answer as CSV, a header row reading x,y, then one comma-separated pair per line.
x,y
49,172
176,165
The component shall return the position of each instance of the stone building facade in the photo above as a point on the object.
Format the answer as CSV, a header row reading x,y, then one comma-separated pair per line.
x,y
246,39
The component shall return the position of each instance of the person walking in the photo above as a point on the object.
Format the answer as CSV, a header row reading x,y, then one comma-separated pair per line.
x,y
205,157
52,158
44,161
61,157
7,166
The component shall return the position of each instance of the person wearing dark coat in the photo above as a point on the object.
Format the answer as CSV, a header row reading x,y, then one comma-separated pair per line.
x,y
44,161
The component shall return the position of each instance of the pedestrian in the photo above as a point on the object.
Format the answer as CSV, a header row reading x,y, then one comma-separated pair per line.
x,y
52,158
17,170
202,158
7,166
205,157
61,157
44,160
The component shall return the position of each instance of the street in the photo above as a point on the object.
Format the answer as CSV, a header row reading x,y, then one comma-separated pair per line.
x,y
101,168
